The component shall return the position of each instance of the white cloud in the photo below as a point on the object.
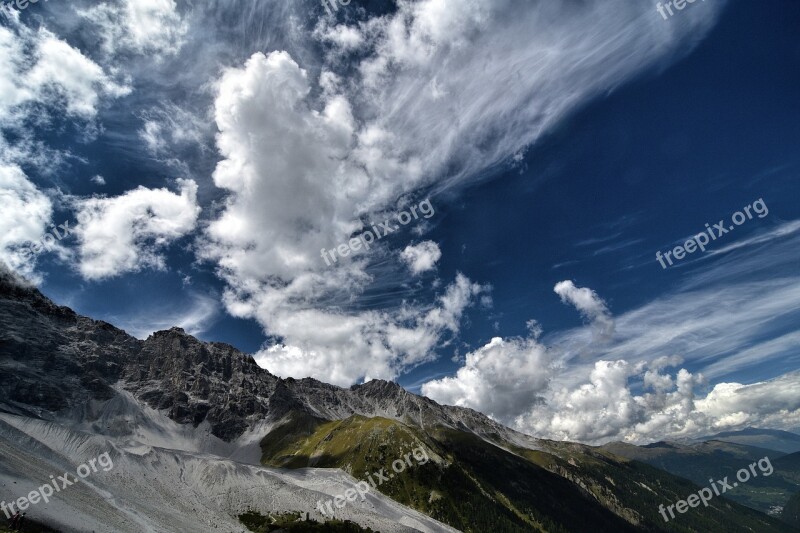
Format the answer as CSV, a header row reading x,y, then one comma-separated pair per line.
x,y
127,232
773,403
39,68
41,77
344,348
293,192
440,95
345,38
98,180
194,316
151,27
785,229
12,63
169,127
24,218
73,75
516,382
590,305
638,386
421,257
501,65
501,379
606,409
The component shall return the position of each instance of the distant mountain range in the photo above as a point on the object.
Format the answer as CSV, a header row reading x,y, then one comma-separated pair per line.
x,y
771,439
204,439
707,459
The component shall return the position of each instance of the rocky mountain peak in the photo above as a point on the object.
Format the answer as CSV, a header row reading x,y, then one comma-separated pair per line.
x,y
378,387
173,331
191,381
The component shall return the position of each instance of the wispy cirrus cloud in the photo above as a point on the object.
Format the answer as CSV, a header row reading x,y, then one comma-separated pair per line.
x,y
783,230
195,315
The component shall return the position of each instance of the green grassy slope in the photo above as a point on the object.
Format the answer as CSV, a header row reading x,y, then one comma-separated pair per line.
x,y
477,486
788,467
467,483
292,523
29,527
791,513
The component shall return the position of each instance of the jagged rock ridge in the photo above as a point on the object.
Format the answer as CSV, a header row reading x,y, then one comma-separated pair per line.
x,y
68,359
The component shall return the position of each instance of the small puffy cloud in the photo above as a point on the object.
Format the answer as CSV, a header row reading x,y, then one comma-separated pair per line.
x,y
98,180
590,305
126,233
421,257
345,38
458,296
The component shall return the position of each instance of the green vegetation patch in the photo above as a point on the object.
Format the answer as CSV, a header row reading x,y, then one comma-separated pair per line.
x,y
791,513
292,522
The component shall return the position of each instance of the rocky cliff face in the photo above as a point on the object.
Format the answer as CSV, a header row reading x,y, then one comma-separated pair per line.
x,y
65,360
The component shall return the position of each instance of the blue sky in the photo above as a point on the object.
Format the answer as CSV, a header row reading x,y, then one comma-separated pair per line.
x,y
205,153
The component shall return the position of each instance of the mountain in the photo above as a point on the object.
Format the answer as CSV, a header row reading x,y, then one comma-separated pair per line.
x,y
771,439
791,513
204,439
713,459
789,467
